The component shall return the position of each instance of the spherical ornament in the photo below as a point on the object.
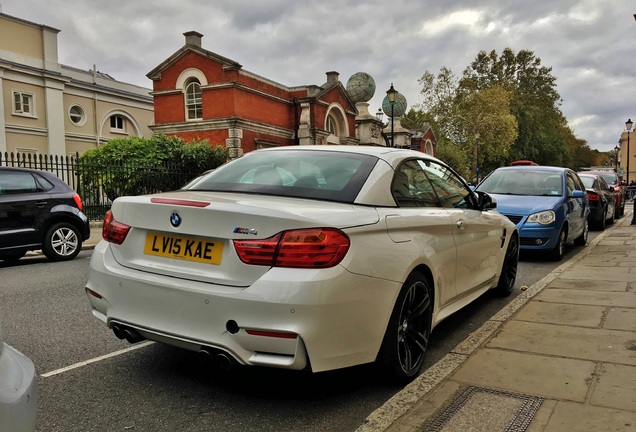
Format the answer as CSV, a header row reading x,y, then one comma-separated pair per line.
x,y
399,106
361,87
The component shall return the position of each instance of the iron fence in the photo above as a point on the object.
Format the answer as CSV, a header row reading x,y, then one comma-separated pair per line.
x,y
99,185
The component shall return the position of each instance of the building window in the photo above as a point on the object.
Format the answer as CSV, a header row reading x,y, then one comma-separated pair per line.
x,y
23,104
332,126
193,102
117,124
77,116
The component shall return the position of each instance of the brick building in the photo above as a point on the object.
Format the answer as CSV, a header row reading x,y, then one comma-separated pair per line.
x,y
200,94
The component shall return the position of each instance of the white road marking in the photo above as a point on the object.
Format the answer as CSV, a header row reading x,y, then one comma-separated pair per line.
x,y
96,359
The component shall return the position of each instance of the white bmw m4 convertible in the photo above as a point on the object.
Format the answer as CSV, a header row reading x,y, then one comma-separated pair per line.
x,y
303,257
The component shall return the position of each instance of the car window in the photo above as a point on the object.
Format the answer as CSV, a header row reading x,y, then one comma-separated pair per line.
x,y
423,183
589,182
333,176
17,182
524,182
413,188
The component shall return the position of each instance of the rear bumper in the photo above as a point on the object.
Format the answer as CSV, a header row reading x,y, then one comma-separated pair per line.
x,y
18,391
289,318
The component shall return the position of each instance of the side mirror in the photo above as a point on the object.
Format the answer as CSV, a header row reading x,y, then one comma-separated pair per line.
x,y
578,194
623,183
485,201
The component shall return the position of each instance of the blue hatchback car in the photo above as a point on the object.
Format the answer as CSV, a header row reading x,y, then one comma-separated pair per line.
x,y
548,204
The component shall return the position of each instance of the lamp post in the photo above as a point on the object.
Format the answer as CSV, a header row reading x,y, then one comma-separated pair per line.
x,y
379,114
477,136
616,149
391,94
628,125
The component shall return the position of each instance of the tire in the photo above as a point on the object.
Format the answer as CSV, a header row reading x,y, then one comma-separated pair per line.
x,y
582,239
601,223
508,274
407,335
62,242
559,250
611,220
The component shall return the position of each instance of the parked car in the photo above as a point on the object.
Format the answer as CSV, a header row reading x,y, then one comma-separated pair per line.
x,y
602,202
620,190
18,390
355,262
39,211
548,204
522,162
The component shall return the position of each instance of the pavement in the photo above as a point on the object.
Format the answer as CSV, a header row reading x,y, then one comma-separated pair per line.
x,y
560,357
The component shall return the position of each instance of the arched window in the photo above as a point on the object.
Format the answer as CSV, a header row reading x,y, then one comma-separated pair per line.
x,y
194,110
332,125
336,124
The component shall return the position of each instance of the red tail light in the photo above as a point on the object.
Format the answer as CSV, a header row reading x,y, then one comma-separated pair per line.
x,y
114,231
78,202
308,248
593,197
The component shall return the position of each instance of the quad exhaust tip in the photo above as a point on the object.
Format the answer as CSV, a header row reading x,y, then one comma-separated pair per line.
x,y
217,358
130,334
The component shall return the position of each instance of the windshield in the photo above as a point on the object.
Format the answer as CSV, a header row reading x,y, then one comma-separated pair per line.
x,y
588,182
523,182
334,176
609,178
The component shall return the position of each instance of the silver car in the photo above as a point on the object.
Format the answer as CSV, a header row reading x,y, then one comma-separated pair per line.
x,y
18,390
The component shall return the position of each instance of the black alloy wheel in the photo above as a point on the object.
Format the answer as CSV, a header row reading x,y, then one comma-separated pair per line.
x,y
407,337
509,270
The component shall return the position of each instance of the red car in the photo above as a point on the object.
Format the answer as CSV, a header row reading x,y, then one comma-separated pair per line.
x,y
614,181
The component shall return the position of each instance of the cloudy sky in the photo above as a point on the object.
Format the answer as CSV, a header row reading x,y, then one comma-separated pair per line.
x,y
589,44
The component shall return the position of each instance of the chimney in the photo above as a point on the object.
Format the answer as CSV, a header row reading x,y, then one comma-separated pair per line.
x,y
332,77
193,38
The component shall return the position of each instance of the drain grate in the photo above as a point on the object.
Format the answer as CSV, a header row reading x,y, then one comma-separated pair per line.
x,y
479,409
620,234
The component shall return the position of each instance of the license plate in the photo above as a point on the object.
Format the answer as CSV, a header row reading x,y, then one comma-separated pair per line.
x,y
184,248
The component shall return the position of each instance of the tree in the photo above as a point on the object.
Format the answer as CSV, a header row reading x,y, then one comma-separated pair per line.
x,y
136,166
477,121
542,129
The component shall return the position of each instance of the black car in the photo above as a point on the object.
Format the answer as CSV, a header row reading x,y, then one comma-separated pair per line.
x,y
39,211
603,206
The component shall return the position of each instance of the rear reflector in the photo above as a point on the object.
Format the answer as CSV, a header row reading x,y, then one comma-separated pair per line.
x,y
274,334
592,196
93,293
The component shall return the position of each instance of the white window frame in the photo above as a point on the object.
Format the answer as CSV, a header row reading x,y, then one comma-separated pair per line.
x,y
193,102
18,105
81,115
120,124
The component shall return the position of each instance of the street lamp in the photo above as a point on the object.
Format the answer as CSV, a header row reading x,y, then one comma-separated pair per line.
x,y
391,94
616,150
379,114
628,125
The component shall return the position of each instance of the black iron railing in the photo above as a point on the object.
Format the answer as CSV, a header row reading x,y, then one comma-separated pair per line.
x,y
100,185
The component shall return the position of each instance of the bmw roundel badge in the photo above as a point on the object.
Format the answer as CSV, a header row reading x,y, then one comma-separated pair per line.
x,y
175,219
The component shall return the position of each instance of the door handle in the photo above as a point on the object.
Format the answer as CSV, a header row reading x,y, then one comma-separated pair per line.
x,y
41,203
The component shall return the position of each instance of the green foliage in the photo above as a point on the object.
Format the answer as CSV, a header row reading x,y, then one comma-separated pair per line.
x,y
505,107
137,166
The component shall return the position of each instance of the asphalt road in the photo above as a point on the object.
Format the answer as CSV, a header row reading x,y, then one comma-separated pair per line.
x,y
91,381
